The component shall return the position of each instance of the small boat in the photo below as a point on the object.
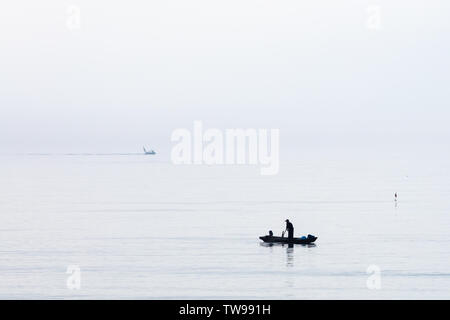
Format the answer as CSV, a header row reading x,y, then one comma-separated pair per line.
x,y
148,152
303,240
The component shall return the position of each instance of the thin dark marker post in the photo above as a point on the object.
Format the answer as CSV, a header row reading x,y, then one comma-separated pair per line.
x,y
395,199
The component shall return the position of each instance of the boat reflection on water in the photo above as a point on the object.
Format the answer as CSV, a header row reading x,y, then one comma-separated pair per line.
x,y
289,245
289,249
290,256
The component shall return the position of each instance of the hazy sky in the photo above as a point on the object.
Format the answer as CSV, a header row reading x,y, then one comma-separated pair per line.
x,y
134,71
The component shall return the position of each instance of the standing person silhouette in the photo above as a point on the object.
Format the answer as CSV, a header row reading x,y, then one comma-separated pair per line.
x,y
290,230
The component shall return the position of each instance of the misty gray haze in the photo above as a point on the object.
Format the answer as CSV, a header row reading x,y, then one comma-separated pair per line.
x,y
133,73
357,92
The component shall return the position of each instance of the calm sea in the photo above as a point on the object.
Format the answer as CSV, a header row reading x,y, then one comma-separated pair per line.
x,y
136,227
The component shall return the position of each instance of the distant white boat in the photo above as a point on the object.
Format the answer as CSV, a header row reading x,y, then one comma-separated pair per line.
x,y
149,152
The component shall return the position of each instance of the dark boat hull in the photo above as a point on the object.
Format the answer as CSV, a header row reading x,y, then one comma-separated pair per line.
x,y
272,239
